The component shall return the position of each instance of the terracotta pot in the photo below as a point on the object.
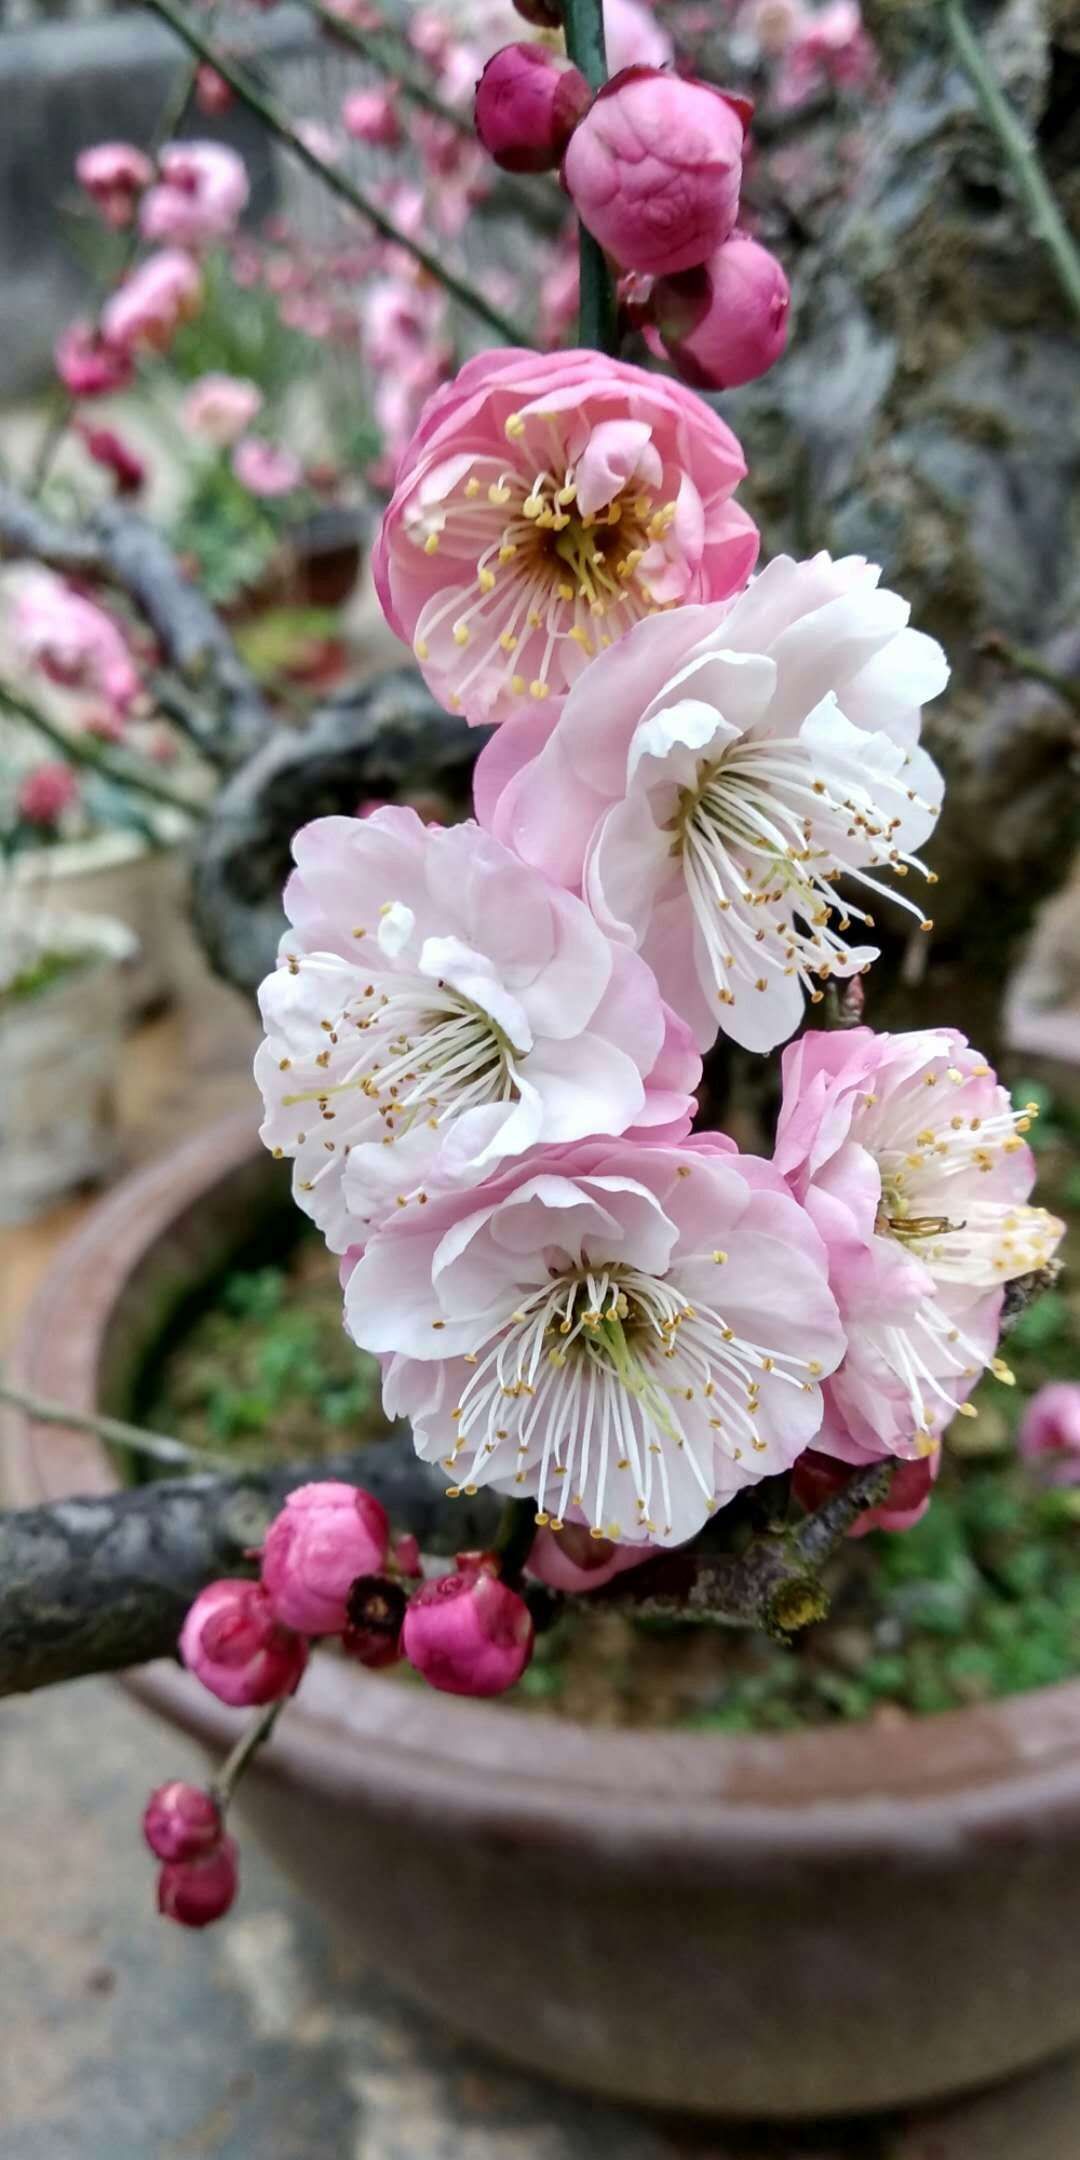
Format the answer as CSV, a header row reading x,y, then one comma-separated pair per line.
x,y
846,1919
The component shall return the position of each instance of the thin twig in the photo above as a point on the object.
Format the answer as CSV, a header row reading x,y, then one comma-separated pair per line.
x,y
1022,661
80,749
156,1447
234,1765
372,50
1047,222
277,121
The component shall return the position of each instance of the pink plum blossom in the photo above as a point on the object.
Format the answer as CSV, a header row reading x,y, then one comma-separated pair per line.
x,y
654,170
739,302
45,792
218,408
371,116
545,504
527,102
439,1006
574,1561
88,364
114,175
829,46
266,469
326,1535
716,773
213,95
909,1157
468,1633
147,310
115,456
198,199
629,1332
232,1642
73,641
1049,1436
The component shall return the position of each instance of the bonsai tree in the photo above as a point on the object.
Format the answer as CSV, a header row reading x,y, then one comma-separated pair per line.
x,y
637,1362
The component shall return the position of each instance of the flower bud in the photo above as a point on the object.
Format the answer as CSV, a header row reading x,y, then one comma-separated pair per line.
x,y
116,456
468,1634
326,1535
816,1478
181,1821
405,1555
727,322
1050,1431
654,170
197,1892
88,364
371,116
233,1643
376,1611
572,1559
45,792
527,103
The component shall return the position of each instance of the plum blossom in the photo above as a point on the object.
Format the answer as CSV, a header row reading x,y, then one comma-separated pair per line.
x,y
266,469
736,307
654,170
468,1633
439,1006
73,642
830,45
198,199
88,364
326,1535
218,408
633,37
147,310
546,503
114,175
371,116
714,776
908,1155
527,102
1049,1435
45,792
629,1332
115,456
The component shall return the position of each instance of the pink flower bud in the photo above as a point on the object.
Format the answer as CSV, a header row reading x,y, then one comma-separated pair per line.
x,y
114,175
197,1892
468,1634
371,116
527,103
181,1821
88,365
109,450
212,93
816,1478
727,322
654,170
376,1609
44,793
232,1641
572,1559
326,1536
1050,1431
406,1556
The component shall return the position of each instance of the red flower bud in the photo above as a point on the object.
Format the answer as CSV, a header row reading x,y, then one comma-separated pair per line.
x,y
527,103
236,1647
326,1535
468,1634
196,1892
727,322
181,1821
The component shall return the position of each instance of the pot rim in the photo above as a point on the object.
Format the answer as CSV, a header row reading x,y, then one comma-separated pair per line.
x,y
834,1793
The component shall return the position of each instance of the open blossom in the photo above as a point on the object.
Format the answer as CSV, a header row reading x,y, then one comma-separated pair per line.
x,y
147,310
203,188
547,502
654,170
73,641
218,408
114,175
910,1158
629,1332
88,364
437,1007
266,469
830,45
716,774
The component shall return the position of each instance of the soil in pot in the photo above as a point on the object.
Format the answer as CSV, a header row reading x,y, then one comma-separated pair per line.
x,y
979,1601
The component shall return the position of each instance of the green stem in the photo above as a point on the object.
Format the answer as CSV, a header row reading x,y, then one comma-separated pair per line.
x,y
277,121
234,1765
63,407
1047,222
583,22
81,750
156,1447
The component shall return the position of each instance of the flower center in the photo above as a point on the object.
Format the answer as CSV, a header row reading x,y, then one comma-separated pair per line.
x,y
762,838
546,571
606,1369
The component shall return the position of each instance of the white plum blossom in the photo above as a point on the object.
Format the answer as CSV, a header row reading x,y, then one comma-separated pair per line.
x,y
729,785
629,1332
439,1006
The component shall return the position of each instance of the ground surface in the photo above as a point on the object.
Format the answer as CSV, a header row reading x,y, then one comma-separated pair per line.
x,y
126,2039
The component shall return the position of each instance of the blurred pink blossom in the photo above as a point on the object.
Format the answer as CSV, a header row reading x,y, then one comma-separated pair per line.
x,y
266,469
45,792
114,175
199,197
148,308
219,408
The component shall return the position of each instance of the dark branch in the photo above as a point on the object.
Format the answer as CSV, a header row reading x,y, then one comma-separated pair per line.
x,y
95,1585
